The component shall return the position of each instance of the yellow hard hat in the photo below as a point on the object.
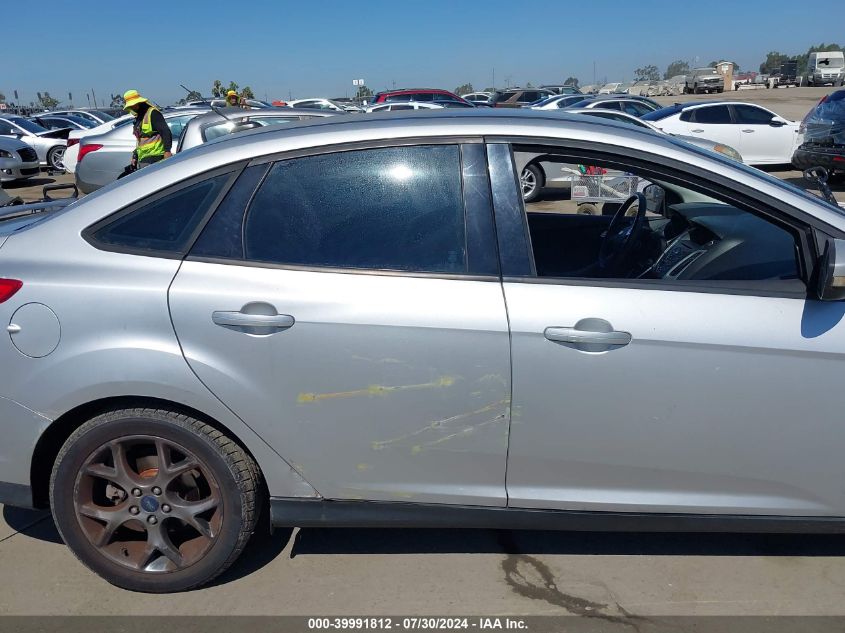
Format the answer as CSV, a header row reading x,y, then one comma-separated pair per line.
x,y
231,93
131,98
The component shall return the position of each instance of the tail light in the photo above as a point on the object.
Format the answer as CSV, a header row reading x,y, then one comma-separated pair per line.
x,y
72,141
84,150
8,287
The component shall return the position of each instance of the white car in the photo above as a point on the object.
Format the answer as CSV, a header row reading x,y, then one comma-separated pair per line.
x,y
760,135
610,88
95,116
49,144
72,151
322,104
478,98
404,105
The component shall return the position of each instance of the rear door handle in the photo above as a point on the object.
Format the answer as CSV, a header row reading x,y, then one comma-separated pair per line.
x,y
589,335
251,323
748,131
697,131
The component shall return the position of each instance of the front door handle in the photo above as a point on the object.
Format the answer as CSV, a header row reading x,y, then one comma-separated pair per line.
x,y
697,131
748,131
589,335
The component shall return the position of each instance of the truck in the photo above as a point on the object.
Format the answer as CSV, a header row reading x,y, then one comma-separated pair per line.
x,y
704,80
787,75
825,68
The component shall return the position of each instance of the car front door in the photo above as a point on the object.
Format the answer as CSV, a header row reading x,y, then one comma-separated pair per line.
x,y
705,382
764,136
350,311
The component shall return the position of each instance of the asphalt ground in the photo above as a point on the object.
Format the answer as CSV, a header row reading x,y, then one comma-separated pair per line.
x,y
620,581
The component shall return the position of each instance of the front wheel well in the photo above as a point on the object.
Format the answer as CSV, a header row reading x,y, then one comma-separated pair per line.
x,y
53,438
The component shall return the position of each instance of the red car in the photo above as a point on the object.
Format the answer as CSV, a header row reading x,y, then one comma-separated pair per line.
x,y
430,95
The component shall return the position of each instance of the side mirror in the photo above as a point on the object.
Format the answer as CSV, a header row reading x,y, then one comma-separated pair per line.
x,y
655,196
831,284
777,123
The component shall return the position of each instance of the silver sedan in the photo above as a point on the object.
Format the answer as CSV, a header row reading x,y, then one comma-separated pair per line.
x,y
102,157
401,342
18,160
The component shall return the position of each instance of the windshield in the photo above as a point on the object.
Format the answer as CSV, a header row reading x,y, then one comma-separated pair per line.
x,y
662,113
105,116
26,124
830,62
87,123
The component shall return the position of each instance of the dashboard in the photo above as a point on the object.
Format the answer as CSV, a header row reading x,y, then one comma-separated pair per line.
x,y
712,241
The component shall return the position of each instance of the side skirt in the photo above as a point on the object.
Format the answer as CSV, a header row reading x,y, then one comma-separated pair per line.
x,y
385,514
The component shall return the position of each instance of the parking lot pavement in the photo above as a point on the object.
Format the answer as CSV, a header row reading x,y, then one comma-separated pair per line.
x,y
451,572
31,190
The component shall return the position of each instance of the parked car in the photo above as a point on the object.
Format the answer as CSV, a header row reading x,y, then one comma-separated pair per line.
x,y
382,344
210,125
536,173
403,106
48,144
704,80
609,88
557,102
638,106
97,117
590,89
69,121
624,117
102,157
825,67
565,89
478,98
787,75
519,97
823,137
72,150
761,136
434,95
322,104
18,161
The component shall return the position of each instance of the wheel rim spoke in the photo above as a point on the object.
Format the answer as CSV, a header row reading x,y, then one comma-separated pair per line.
x,y
113,518
124,474
159,542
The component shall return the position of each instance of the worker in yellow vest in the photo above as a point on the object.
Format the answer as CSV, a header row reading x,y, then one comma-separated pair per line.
x,y
150,130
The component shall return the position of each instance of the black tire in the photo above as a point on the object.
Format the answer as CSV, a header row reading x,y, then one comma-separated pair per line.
x,y
55,156
532,174
587,208
236,490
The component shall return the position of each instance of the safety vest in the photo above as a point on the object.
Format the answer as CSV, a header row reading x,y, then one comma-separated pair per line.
x,y
150,144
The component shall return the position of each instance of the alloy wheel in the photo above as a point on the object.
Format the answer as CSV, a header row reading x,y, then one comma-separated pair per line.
x,y
148,504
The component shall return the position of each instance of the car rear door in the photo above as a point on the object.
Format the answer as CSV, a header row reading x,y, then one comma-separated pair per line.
x,y
714,123
347,306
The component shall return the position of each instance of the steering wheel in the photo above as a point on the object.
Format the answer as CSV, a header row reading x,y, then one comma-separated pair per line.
x,y
621,235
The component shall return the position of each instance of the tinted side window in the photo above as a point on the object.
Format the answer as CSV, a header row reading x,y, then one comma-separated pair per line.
x,y
713,114
166,224
395,208
686,115
751,115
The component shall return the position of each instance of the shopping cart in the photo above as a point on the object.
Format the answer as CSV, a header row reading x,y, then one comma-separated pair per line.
x,y
15,207
588,190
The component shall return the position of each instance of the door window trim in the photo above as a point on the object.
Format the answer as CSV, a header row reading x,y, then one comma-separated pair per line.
x,y
481,253
803,227
88,234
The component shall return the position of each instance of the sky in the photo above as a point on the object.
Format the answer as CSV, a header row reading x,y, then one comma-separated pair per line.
x,y
315,48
